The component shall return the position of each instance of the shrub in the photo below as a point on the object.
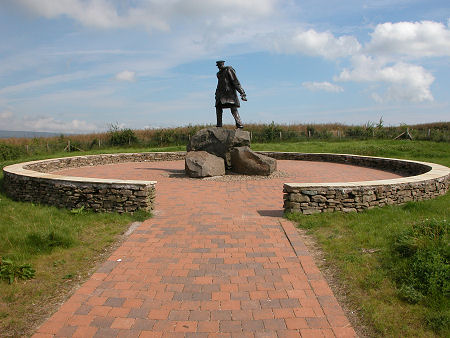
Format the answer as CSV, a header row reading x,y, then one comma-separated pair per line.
x,y
271,132
121,137
9,152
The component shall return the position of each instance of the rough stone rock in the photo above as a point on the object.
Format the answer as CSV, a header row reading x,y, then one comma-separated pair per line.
x,y
245,161
203,164
219,142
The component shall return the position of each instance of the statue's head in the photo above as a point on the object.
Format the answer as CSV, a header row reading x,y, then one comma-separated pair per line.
x,y
220,64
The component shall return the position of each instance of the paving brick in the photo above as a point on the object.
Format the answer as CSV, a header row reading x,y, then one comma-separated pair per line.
x,y
208,263
208,326
252,325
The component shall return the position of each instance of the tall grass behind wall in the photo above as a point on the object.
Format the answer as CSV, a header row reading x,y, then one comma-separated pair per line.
x,y
13,148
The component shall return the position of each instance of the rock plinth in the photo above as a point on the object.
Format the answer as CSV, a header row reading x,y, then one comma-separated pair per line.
x,y
203,164
232,147
245,161
219,142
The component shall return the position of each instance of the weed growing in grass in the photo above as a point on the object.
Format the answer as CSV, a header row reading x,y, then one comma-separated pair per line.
x,y
10,271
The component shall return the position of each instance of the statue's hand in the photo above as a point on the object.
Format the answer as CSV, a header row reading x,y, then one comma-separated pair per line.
x,y
244,97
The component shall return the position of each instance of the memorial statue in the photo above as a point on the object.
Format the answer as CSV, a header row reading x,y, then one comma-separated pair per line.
x,y
226,97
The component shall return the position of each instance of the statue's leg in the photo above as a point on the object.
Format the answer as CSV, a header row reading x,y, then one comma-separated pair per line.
x,y
219,112
237,118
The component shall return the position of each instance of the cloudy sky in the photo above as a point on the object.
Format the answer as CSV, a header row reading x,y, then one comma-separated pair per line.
x,y
79,65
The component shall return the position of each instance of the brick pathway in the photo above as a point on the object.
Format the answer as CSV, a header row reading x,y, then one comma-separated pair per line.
x,y
217,259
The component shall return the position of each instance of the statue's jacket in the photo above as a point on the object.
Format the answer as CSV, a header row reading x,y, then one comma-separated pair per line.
x,y
227,86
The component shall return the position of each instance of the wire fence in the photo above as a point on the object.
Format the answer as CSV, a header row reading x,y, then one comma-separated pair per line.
x,y
12,148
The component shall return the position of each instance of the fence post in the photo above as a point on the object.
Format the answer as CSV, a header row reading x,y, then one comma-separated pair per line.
x,y
28,150
99,143
280,135
429,133
309,133
251,135
48,148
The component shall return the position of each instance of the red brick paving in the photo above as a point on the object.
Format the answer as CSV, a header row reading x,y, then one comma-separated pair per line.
x,y
217,259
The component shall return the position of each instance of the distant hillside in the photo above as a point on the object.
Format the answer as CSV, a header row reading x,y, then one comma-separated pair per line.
x,y
27,134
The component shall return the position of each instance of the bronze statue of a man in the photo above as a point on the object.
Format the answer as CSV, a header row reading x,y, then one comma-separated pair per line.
x,y
226,96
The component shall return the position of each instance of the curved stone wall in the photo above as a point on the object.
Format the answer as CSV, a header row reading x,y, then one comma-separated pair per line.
x,y
33,181
423,181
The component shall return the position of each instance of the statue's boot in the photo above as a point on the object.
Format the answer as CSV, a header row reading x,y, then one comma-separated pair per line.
x,y
237,118
219,113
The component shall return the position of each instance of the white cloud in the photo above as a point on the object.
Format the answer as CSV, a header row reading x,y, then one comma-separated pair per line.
x,y
51,80
5,115
325,86
406,82
413,39
152,14
52,125
126,75
314,43
44,123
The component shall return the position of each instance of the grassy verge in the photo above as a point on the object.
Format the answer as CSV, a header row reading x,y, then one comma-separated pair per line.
x,y
428,151
392,261
362,248
61,246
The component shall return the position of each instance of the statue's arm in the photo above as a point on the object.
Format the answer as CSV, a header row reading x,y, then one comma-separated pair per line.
x,y
236,83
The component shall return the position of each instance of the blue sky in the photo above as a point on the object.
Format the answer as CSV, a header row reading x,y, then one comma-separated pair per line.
x,y
78,65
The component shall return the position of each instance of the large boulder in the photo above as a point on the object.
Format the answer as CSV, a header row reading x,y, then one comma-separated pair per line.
x,y
202,164
219,142
245,161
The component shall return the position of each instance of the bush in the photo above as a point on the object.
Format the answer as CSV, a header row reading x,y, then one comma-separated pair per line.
x,y
121,137
9,152
271,132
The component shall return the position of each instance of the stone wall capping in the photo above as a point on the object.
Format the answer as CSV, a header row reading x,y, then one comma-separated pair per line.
x,y
18,169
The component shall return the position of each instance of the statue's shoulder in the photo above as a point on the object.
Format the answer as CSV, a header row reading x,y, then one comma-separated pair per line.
x,y
230,69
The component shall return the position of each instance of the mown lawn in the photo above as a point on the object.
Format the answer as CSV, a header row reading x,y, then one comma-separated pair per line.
x,y
393,261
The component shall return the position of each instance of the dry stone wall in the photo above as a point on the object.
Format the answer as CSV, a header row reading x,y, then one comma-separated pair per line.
x,y
33,182
424,181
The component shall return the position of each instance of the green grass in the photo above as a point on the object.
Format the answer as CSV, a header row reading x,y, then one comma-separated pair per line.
x,y
388,288
62,246
428,151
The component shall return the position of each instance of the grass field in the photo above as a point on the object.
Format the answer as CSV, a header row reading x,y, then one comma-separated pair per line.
x,y
63,246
